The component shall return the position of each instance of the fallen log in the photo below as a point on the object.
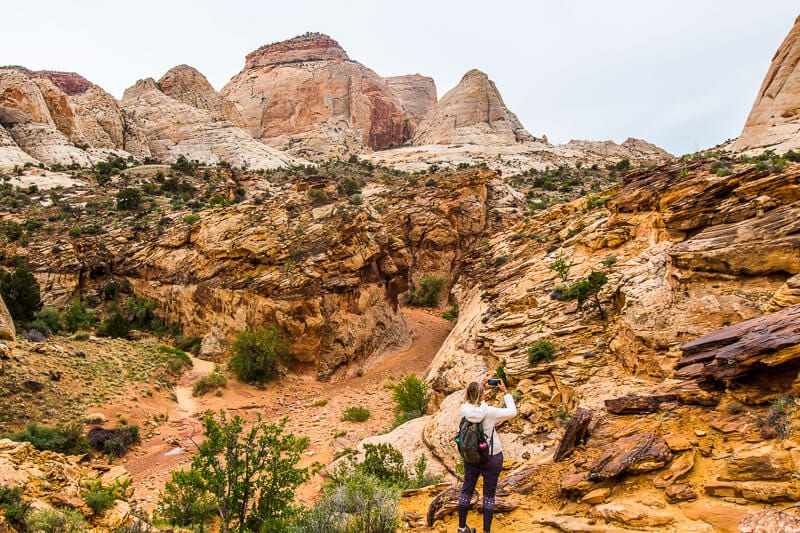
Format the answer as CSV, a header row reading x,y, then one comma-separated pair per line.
x,y
575,434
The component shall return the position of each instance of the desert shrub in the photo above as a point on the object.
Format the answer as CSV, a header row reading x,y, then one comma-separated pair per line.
x,y
78,316
594,202
12,231
359,503
99,497
188,343
254,488
258,354
421,477
184,166
541,350
49,318
428,293
355,414
178,359
317,196
191,218
20,293
129,199
143,312
384,462
777,418
115,325
588,288
411,396
14,508
609,260
116,441
451,314
561,267
208,383
185,502
68,439
49,520
348,187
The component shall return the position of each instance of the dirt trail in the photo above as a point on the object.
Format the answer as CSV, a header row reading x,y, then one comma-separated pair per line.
x,y
313,409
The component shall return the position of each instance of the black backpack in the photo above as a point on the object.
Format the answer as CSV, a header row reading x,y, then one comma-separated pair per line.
x,y
472,443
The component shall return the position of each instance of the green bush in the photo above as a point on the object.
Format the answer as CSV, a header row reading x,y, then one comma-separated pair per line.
x,y
348,187
129,199
12,231
451,314
541,350
428,293
355,414
254,488
188,343
360,503
50,318
385,463
49,520
588,288
98,501
208,383
561,267
67,439
258,354
11,503
411,397
421,476
185,502
184,165
78,316
191,218
115,325
20,293
317,196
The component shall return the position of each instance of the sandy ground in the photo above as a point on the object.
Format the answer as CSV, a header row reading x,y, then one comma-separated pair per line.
x,y
313,408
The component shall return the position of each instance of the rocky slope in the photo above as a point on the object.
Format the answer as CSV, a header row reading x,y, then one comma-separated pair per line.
x,y
417,94
60,118
199,130
774,120
306,96
671,242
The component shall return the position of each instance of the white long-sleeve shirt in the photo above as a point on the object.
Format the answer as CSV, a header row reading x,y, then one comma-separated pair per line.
x,y
490,416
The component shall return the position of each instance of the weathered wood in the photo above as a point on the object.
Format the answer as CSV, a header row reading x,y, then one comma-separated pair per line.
x,y
638,453
626,405
575,434
447,502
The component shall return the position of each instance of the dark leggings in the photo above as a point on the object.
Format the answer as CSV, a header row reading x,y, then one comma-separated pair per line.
x,y
490,472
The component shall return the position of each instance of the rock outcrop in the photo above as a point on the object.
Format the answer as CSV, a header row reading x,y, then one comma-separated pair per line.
x,y
53,481
472,112
175,128
417,94
188,85
306,96
774,120
58,117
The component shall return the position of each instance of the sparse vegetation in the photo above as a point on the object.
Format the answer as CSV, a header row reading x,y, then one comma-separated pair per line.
x,y
355,414
20,292
209,383
541,350
67,439
428,293
258,354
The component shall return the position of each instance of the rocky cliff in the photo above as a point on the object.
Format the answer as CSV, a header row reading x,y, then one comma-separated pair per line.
x,y
417,94
306,96
472,112
774,120
199,130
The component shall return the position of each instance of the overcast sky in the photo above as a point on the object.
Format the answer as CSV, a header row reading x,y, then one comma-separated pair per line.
x,y
680,73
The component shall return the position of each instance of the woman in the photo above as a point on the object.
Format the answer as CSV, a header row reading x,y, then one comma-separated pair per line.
x,y
475,409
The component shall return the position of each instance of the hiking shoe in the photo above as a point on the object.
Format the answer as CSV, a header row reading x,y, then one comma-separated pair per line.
x,y
466,530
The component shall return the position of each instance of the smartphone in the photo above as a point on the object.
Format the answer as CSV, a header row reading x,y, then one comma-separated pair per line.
x,y
494,382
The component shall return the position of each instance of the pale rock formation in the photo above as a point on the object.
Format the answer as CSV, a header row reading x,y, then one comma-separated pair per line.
x,y
56,116
188,85
174,128
474,113
7,329
10,154
417,93
305,95
632,149
774,120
